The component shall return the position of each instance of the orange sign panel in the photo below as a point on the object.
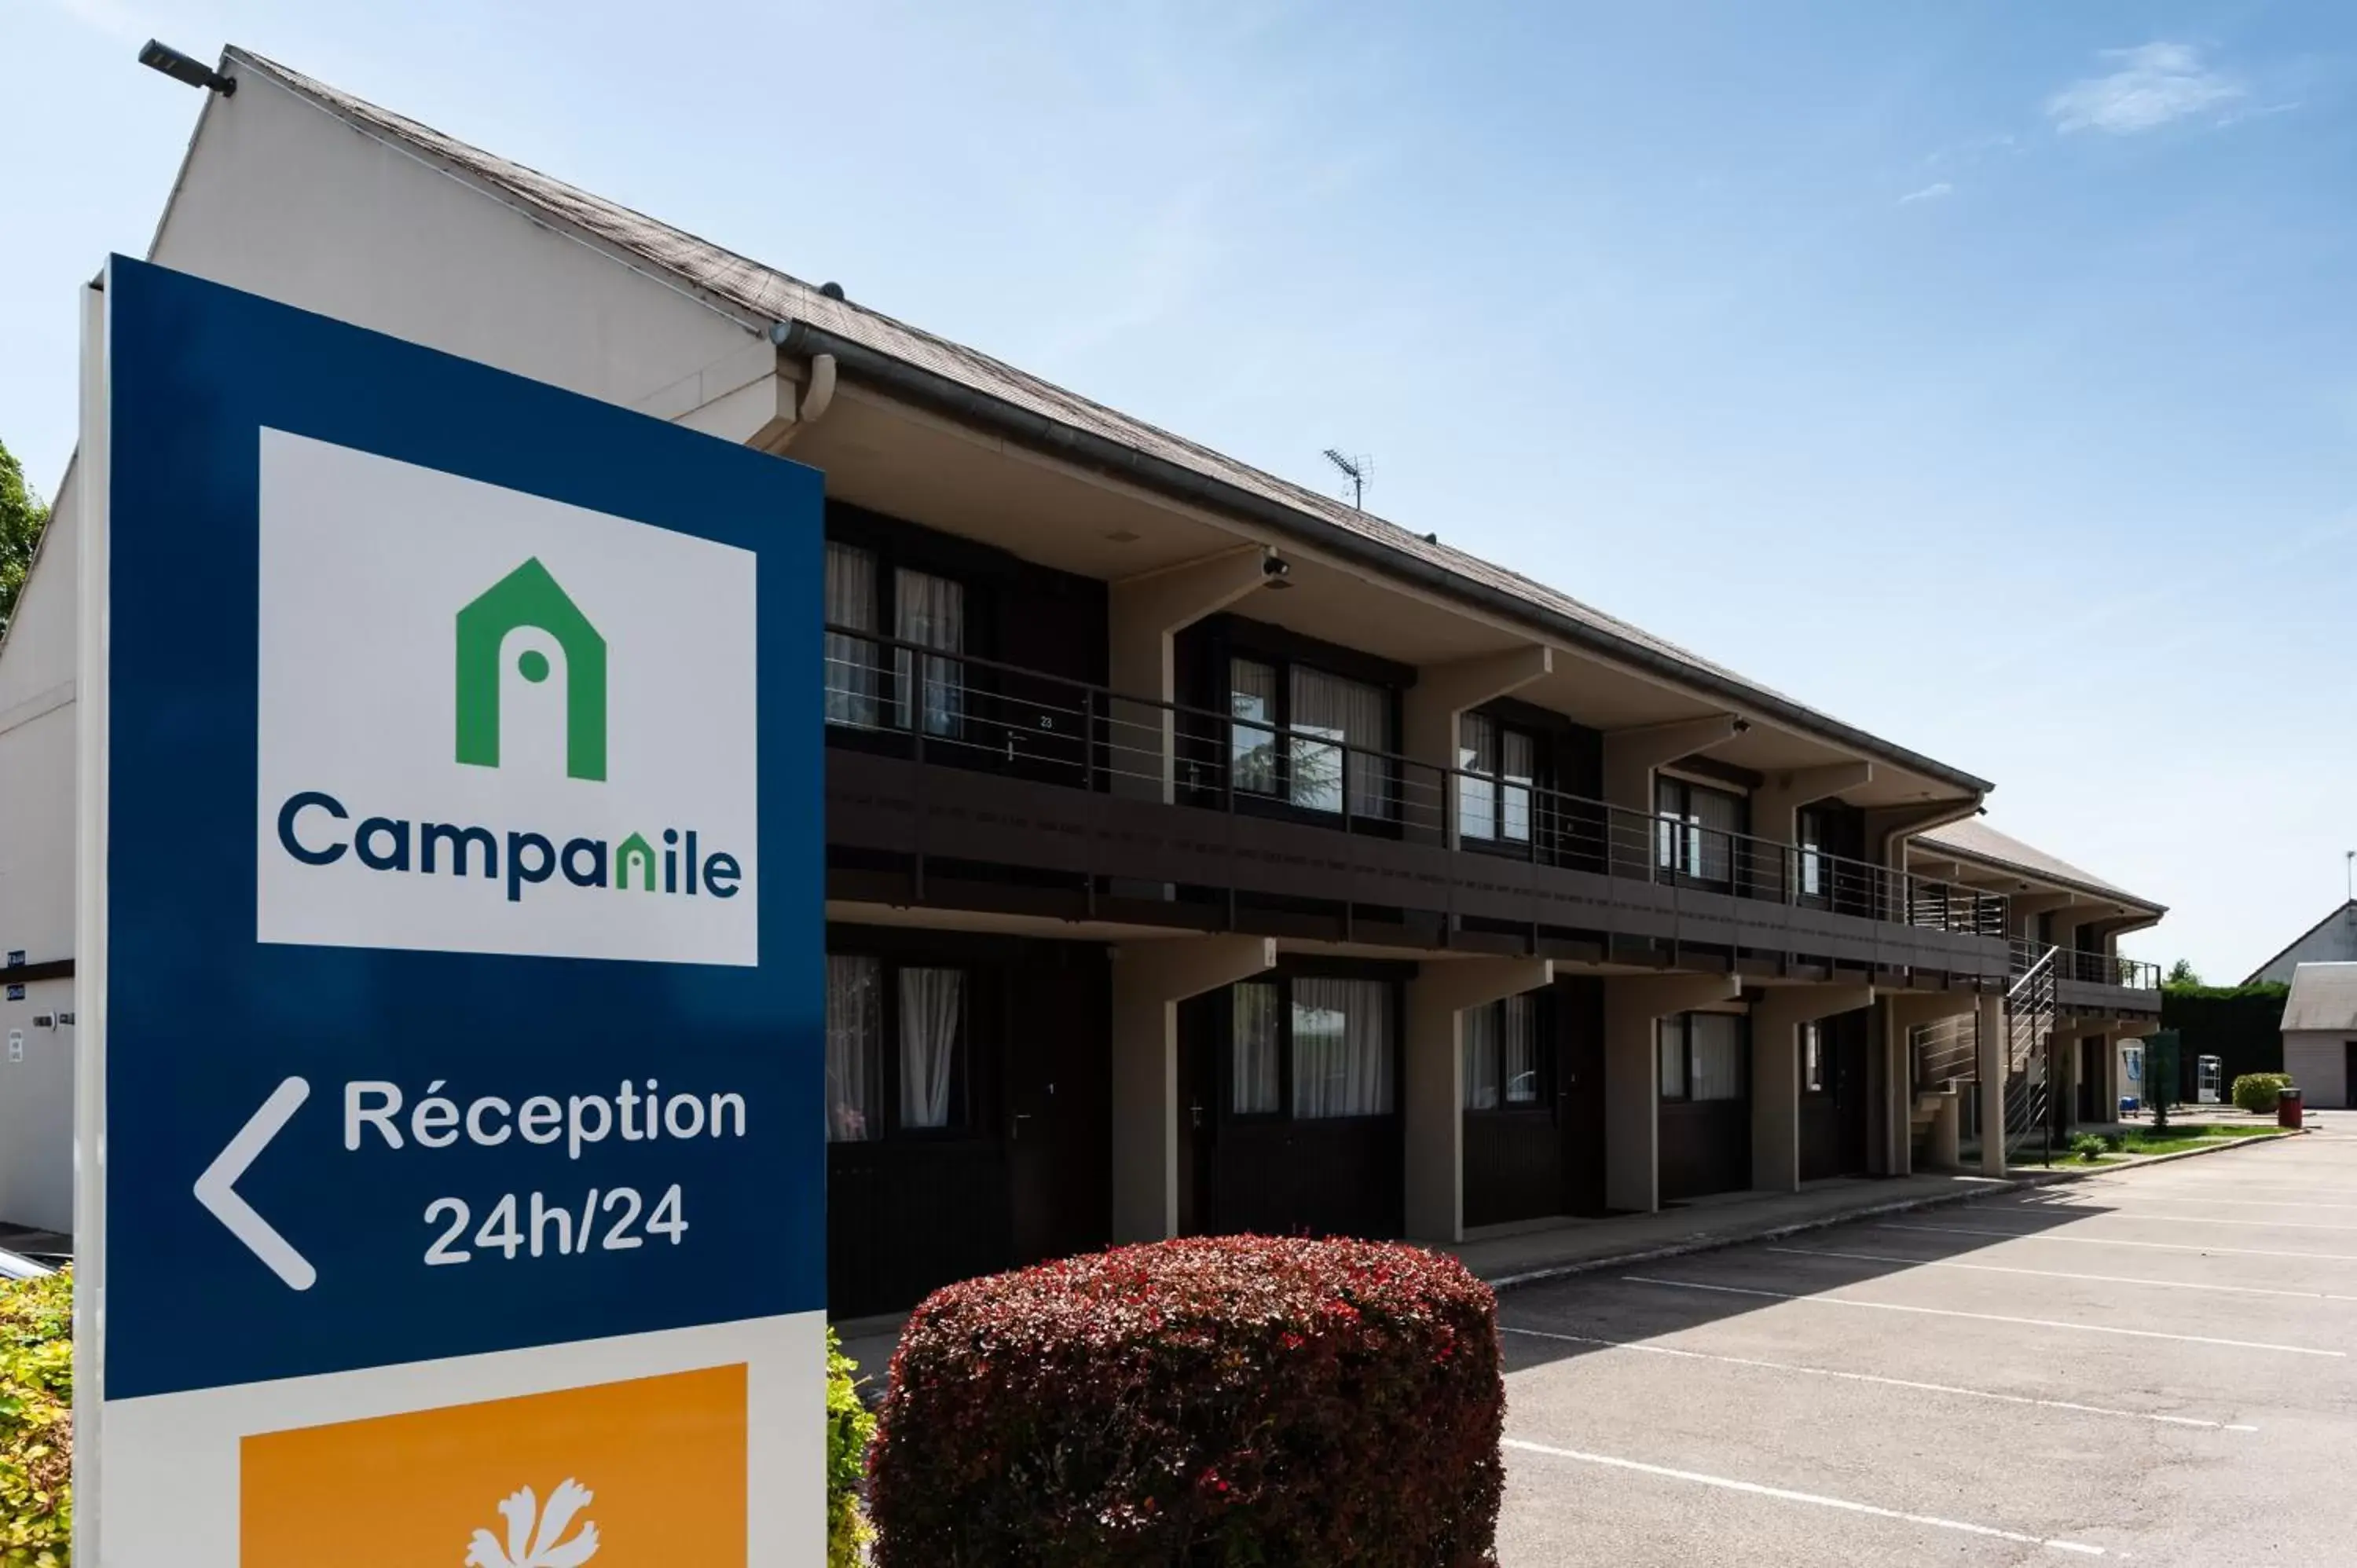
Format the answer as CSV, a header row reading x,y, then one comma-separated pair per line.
x,y
643,1474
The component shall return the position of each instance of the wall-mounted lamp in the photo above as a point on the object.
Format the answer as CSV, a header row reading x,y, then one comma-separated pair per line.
x,y
185,68
1274,571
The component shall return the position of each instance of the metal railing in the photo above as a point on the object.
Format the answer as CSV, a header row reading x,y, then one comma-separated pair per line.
x,y
2108,969
1944,1050
2029,1022
955,708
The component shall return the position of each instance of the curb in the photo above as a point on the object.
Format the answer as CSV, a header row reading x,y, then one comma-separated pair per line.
x,y
1988,1186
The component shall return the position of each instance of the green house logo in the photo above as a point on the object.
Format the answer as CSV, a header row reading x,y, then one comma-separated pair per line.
x,y
529,596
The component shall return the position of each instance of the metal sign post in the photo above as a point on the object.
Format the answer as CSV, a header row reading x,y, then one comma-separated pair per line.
x,y
450,1183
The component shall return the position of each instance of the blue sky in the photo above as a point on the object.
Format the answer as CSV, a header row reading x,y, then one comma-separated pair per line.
x,y
1980,373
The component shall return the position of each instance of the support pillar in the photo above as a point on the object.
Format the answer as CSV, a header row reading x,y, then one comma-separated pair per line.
x,y
1145,613
1902,1013
1776,805
1149,980
1992,1066
1433,1106
1776,1020
1429,714
1633,1077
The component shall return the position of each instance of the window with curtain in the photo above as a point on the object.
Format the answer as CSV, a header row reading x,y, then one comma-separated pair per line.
x,y
932,1029
1715,1044
851,662
1670,1040
930,612
1501,1055
1812,1058
1479,1038
1254,1063
855,1038
1251,738
1341,1049
1692,838
1499,766
1809,829
1328,709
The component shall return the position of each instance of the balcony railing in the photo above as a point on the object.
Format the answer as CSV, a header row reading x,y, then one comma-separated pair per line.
x,y
2106,968
953,708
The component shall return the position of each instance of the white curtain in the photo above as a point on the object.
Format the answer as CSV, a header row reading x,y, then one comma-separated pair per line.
x,y
1670,1040
851,662
855,1023
1716,815
1252,702
932,1008
1480,1037
1254,1090
1518,764
1341,1049
1519,1050
1327,708
1812,1056
1476,797
930,612
1717,1042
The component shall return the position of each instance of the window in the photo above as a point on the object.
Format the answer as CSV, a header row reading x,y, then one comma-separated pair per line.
x,y
906,1019
1493,801
851,662
1701,1057
1255,1048
1810,832
1501,1055
854,1037
1812,1058
1341,1049
1696,835
1306,748
930,612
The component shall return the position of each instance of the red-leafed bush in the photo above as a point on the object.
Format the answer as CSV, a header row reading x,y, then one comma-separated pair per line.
x,y
1214,1401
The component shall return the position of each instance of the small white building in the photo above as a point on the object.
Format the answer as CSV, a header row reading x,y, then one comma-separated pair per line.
x,y
2319,1032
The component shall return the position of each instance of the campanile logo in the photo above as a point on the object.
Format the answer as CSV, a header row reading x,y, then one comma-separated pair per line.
x,y
482,712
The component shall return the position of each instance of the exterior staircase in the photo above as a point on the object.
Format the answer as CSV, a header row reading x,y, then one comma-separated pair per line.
x,y
2029,1026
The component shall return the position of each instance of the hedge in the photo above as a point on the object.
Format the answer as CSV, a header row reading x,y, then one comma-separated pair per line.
x,y
2242,1025
2256,1092
37,1420
1229,1399
849,1429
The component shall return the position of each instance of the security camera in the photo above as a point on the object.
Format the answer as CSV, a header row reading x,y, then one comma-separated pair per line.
x,y
1275,566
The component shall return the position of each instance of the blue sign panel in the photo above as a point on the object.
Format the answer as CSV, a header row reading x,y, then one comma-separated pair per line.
x,y
464,967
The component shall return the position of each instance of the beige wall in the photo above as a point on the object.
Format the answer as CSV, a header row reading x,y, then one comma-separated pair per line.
x,y
2318,1060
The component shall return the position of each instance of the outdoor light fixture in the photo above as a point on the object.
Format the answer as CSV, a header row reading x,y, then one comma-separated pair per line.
x,y
158,56
1274,571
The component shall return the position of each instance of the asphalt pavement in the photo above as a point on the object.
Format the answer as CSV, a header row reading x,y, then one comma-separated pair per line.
x,y
2152,1367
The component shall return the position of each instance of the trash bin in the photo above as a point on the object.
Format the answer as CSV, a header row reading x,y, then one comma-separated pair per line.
x,y
2288,1107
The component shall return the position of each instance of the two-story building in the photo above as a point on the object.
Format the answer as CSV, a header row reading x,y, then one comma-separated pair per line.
x,y
1203,854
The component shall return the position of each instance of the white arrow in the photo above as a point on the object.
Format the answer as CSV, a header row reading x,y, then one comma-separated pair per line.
x,y
215,1188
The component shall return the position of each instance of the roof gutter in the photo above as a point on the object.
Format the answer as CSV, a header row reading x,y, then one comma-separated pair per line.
x,y
940,394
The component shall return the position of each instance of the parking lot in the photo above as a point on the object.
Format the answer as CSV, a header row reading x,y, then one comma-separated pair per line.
x,y
2150,1366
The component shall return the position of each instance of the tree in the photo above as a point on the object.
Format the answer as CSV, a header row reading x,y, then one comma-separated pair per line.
x,y
22,516
2181,973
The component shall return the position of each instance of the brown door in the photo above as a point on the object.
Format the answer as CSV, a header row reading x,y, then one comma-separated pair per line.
x,y
1579,1092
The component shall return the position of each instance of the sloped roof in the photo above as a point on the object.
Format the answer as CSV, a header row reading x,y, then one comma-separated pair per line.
x,y
2323,996
1975,840
2253,978
765,293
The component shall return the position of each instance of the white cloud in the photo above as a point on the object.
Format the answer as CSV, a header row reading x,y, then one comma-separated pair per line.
x,y
2152,85
1928,193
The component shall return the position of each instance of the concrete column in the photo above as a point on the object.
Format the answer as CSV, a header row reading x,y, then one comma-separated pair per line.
x,y
1633,1077
2024,909
1632,755
1149,980
1145,612
1946,1153
1902,1012
1433,1103
1776,1020
1993,1064
1430,711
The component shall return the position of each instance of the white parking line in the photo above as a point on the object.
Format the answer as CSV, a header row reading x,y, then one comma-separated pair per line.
x,y
2053,1274
1984,1316
2190,1218
2248,1202
1781,1494
1906,1383
2112,1242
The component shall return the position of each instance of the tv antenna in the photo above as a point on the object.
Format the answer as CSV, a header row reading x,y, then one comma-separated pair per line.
x,y
1357,469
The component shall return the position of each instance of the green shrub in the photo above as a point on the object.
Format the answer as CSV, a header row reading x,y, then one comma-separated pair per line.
x,y
2089,1146
849,1429
37,1422
2255,1091
1279,1402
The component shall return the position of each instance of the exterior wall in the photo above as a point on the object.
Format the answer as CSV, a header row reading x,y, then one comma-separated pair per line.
x,y
36,877
280,198
2318,1061
2334,942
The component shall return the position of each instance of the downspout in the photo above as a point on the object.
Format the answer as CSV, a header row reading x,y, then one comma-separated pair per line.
x,y
817,393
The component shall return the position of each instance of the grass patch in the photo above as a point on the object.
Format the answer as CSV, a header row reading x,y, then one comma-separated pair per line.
x,y
2177,1137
